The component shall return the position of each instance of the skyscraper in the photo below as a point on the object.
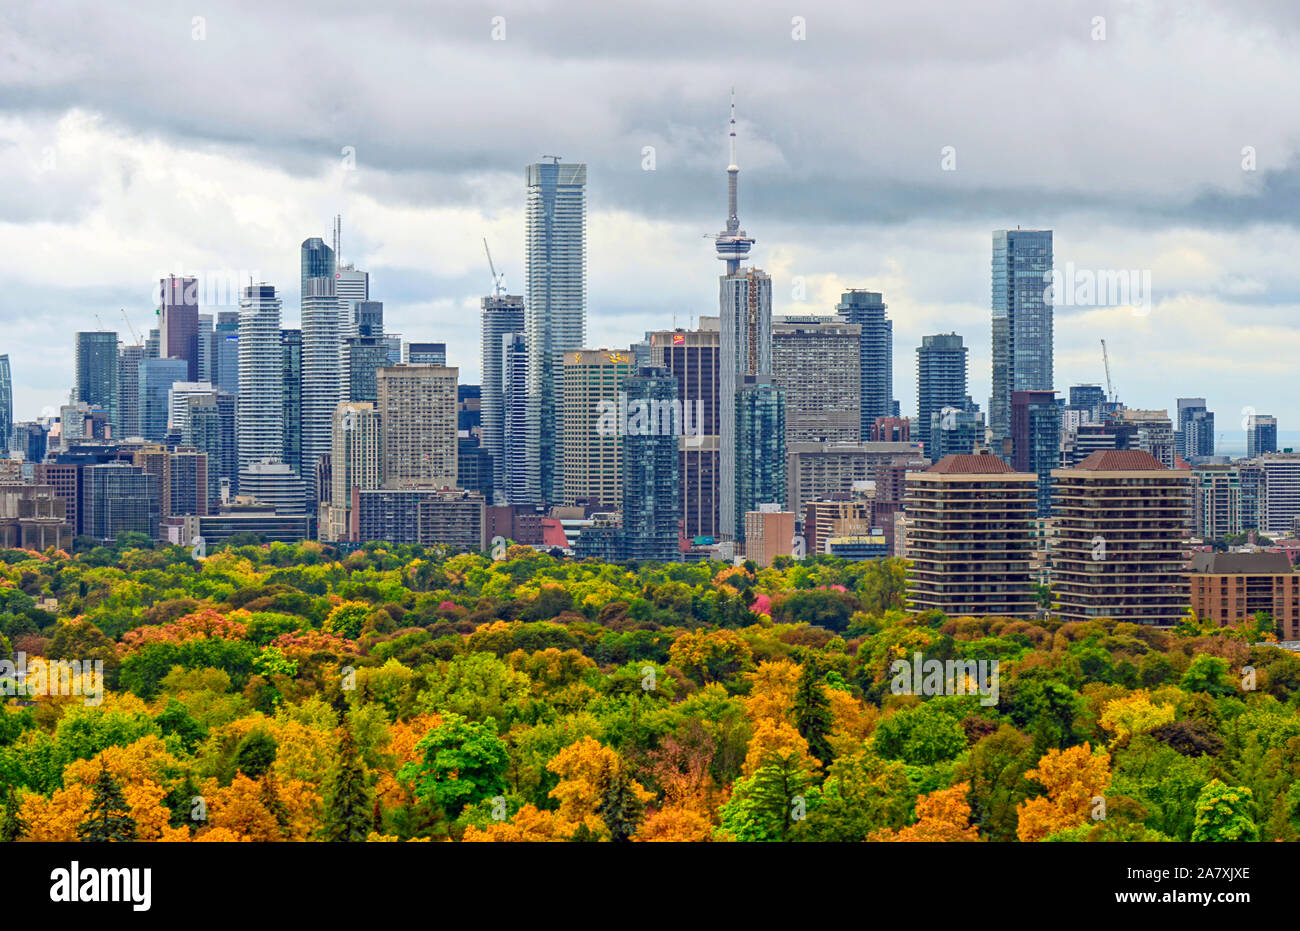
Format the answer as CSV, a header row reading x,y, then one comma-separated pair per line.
x,y
867,310
128,389
651,491
1195,436
417,410
1036,440
225,351
178,326
426,353
1022,320
815,360
355,463
156,379
321,367
591,453
1261,435
6,405
291,362
940,383
514,423
205,347
259,423
760,448
555,306
97,373
501,318
318,261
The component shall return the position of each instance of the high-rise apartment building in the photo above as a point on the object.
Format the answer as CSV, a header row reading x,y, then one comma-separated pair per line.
x,y
1152,432
969,538
206,323
1216,501
651,490
1121,520
178,326
6,405
259,421
156,379
1036,440
291,363
815,360
745,350
1261,435
515,426
501,318
97,373
1279,491
1195,436
590,436
555,307
417,410
322,341
318,261
128,389
118,497
940,383
225,351
876,364
355,465
1022,320
760,448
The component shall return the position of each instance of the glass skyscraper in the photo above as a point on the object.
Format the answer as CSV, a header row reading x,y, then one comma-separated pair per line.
x,y
876,377
940,383
97,373
555,307
259,422
1022,320
6,405
501,319
760,447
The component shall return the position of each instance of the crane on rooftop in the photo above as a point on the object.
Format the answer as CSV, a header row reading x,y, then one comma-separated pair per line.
x,y
498,280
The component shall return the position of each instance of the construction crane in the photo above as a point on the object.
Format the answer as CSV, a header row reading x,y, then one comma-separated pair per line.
x,y
1105,358
134,335
498,281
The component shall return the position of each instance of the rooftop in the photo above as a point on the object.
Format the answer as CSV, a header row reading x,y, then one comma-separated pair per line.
x,y
1121,460
970,464
1241,563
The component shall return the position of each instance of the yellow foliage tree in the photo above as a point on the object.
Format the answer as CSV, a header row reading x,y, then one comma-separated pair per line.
x,y
777,739
1072,778
942,816
675,825
771,694
1134,714
582,766
530,824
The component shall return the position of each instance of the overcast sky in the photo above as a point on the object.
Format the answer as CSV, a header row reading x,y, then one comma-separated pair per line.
x,y
1155,137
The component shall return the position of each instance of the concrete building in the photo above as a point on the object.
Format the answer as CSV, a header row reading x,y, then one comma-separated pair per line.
x,y
1216,501
1036,440
815,360
968,538
866,309
940,384
33,517
591,450
1121,521
417,410
769,533
1280,491
817,471
1231,588
423,516
355,465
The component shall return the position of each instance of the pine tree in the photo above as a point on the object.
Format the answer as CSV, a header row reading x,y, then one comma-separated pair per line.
x,y
12,825
812,711
619,805
109,818
348,810
272,802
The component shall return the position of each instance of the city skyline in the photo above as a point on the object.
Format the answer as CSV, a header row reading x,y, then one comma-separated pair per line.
x,y
887,219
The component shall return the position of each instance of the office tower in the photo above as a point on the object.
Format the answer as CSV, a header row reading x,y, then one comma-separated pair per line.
x,y
29,440
1022,320
1036,440
259,423
318,261
355,465
940,382
515,425
182,476
1121,520
745,350
350,284
426,353
153,345
128,388
205,347
651,492
469,410
97,373
210,428
473,466
6,405
555,307
225,351
178,326
1195,436
118,498
363,351
1087,398
291,370
1216,501
500,318
590,435
1278,491
322,343
760,448
156,379
1261,435
692,356
417,408
275,484
1152,432
968,538
815,361
876,366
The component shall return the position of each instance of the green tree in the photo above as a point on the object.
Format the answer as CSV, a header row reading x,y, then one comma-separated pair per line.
x,y
12,825
619,805
255,754
463,762
812,711
109,818
767,805
1225,813
1208,674
348,813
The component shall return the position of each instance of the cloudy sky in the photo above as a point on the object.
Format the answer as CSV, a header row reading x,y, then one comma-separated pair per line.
x,y
212,137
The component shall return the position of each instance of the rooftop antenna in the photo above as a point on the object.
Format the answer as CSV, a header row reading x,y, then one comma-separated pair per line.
x,y
338,235
554,158
498,281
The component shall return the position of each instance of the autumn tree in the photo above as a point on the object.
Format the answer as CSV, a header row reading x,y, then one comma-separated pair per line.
x,y
12,825
459,763
1072,779
710,656
348,815
942,816
109,818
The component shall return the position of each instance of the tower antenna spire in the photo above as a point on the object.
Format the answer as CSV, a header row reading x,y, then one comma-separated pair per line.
x,y
732,243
